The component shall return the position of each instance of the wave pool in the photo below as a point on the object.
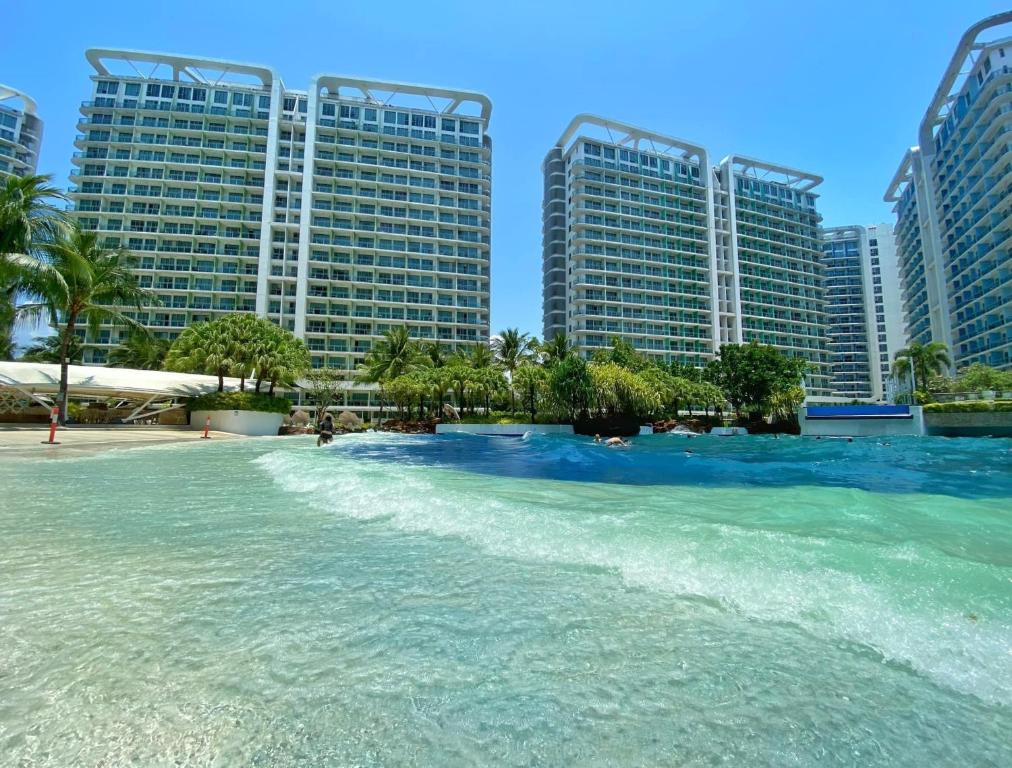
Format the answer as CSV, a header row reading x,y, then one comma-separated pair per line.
x,y
457,600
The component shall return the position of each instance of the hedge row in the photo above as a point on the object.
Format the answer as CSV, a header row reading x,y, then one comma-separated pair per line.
x,y
970,406
240,401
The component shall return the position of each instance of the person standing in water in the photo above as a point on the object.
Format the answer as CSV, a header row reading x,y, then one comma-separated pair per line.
x,y
326,431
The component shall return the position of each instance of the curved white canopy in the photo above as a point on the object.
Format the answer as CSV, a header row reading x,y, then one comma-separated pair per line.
x,y
97,381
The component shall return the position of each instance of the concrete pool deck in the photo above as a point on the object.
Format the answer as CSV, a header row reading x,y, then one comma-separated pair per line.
x,y
26,441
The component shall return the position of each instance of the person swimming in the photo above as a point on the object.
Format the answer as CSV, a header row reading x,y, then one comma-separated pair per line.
x,y
597,438
616,442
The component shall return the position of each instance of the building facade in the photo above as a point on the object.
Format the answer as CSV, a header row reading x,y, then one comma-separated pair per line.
x,y
337,212
20,133
849,329
952,210
889,335
863,310
643,239
628,241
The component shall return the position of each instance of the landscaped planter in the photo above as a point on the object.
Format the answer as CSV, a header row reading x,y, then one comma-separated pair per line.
x,y
981,424
252,423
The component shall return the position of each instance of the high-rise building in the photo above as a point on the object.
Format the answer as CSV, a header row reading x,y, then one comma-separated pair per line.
x,y
952,231
864,321
337,212
849,314
628,241
769,262
20,133
643,239
890,336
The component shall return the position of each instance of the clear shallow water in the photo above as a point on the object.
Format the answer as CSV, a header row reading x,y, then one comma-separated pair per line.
x,y
461,600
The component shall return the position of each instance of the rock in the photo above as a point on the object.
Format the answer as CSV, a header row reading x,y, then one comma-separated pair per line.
x,y
350,421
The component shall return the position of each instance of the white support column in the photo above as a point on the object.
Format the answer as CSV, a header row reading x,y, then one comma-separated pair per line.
x,y
727,177
306,211
267,214
711,243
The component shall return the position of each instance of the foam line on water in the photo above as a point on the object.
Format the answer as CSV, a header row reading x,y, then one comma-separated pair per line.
x,y
906,601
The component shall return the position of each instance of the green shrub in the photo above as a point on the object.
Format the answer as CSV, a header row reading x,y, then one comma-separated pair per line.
x,y
970,406
240,401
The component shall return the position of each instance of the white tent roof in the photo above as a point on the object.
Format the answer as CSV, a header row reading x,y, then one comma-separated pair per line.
x,y
97,381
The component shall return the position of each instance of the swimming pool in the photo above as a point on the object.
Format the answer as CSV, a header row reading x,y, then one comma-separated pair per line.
x,y
461,600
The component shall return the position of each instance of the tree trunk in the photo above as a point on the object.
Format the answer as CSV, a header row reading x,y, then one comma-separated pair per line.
x,y
270,390
259,382
242,382
221,381
65,366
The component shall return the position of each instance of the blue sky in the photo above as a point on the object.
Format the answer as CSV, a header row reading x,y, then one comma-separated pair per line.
x,y
836,88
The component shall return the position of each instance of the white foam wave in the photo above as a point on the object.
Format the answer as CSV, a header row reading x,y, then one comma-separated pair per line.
x,y
640,533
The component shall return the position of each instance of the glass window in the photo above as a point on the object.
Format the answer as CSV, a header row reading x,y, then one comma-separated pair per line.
x,y
221,97
133,89
152,89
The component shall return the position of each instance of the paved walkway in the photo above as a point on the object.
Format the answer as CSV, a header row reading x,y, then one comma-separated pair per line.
x,y
27,440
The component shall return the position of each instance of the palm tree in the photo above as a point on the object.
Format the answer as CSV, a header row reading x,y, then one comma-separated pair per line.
x,y
556,349
394,355
203,348
48,350
28,218
84,284
141,350
480,356
435,353
921,362
511,348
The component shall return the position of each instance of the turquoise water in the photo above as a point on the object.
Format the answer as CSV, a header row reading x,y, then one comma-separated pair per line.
x,y
458,601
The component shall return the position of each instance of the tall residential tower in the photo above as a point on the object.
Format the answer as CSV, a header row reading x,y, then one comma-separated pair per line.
x,y
952,229
643,239
336,212
20,133
864,318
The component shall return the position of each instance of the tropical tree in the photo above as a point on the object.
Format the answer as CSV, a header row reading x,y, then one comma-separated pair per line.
x,y
203,348
394,355
29,218
275,355
621,353
570,386
435,354
920,362
511,348
531,381
480,357
140,350
978,377
84,283
47,350
556,349
324,387
621,391
753,375
241,345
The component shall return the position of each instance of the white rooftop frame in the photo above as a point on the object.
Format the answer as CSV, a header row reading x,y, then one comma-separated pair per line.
x,y
30,107
903,176
760,170
181,65
334,85
625,134
938,109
